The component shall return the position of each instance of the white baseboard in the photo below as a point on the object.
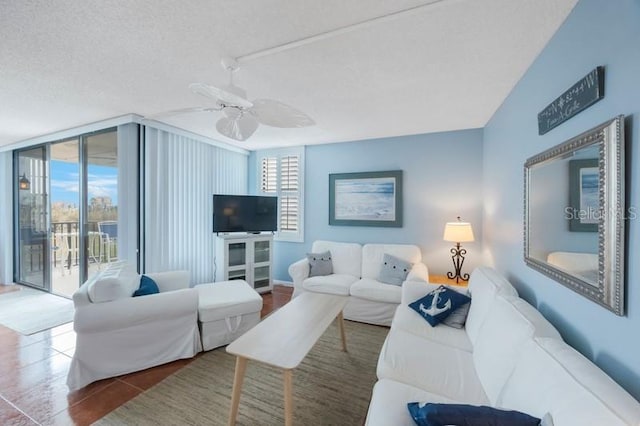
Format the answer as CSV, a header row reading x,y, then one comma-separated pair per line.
x,y
284,283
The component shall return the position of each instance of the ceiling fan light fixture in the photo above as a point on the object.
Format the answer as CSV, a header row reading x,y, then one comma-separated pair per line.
x,y
231,113
241,117
239,129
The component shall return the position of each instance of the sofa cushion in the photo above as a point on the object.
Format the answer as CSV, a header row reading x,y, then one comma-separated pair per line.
x,y
345,257
438,304
339,284
550,376
431,366
433,414
458,317
485,283
500,341
117,281
408,320
147,286
373,255
389,399
394,270
369,289
320,264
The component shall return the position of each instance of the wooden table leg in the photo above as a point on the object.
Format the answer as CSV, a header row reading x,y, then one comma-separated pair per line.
x,y
342,333
241,366
288,397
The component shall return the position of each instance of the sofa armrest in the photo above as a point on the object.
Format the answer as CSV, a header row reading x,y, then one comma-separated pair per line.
x,y
299,271
414,290
123,313
419,272
81,296
171,280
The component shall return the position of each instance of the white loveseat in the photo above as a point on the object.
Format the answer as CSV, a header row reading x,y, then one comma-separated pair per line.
x,y
355,272
118,334
507,356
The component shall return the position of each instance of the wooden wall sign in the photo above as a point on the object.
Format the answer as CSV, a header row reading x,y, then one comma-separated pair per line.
x,y
586,92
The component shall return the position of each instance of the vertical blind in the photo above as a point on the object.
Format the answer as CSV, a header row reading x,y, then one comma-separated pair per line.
x,y
181,176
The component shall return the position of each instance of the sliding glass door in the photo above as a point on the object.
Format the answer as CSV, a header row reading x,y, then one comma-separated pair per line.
x,y
101,199
31,223
68,216
65,264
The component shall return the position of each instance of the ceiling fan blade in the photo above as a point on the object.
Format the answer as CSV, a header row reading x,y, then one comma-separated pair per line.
x,y
219,94
239,129
180,111
277,114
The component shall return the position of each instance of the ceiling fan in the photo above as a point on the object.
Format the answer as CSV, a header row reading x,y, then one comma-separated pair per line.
x,y
241,117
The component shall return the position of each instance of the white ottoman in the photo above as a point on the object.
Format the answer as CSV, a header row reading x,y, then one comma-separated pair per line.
x,y
226,310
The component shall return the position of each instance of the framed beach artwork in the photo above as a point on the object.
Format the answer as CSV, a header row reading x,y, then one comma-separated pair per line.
x,y
584,195
366,199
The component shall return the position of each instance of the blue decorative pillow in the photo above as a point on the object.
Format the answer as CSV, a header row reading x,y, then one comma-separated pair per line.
x,y
147,286
394,270
467,415
439,304
320,264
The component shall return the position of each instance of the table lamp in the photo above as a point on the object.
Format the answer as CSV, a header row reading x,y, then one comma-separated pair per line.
x,y
458,232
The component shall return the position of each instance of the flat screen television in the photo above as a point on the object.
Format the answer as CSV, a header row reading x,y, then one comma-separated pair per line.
x,y
244,213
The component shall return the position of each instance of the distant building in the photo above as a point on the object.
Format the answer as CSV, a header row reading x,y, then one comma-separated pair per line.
x,y
97,203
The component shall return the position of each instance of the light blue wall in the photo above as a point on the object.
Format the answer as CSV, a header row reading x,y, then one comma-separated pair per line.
x,y
442,178
596,33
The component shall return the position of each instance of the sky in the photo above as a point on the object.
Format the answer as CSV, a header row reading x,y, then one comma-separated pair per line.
x,y
103,182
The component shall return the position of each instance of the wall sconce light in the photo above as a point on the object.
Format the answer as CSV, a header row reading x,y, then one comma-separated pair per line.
x,y
24,183
458,232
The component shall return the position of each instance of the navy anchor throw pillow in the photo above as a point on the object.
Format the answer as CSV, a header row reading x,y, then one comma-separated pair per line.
x,y
439,304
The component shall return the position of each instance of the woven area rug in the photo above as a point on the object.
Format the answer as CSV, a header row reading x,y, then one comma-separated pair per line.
x,y
29,311
330,387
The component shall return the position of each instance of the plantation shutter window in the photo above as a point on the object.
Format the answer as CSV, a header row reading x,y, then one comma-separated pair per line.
x,y
289,193
281,175
269,175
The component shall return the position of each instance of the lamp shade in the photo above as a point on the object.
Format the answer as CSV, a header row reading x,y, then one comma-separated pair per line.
x,y
458,232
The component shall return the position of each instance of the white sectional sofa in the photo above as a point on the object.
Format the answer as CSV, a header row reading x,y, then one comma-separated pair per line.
x,y
355,272
507,356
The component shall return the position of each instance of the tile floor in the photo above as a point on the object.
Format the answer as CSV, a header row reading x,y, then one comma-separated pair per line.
x,y
33,373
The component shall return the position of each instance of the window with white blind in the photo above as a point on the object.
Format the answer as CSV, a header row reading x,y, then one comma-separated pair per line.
x,y
281,174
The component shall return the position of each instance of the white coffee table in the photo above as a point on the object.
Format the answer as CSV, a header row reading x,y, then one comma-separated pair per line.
x,y
283,339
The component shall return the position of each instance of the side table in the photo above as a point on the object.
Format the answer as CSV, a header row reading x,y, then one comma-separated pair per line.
x,y
443,279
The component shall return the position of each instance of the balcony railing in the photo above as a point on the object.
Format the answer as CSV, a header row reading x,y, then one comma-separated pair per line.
x,y
99,248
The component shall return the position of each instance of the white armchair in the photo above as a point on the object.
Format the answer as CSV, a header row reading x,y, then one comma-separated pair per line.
x,y
119,334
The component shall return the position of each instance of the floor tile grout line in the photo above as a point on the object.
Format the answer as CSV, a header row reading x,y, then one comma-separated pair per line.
x,y
19,410
40,360
86,397
124,402
136,387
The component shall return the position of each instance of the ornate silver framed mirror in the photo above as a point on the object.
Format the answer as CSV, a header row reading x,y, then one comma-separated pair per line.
x,y
574,214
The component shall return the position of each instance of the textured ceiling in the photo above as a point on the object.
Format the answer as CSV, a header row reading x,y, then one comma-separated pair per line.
x,y
438,66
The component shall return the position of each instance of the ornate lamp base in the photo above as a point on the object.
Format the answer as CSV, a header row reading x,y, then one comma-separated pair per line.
x,y
458,260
